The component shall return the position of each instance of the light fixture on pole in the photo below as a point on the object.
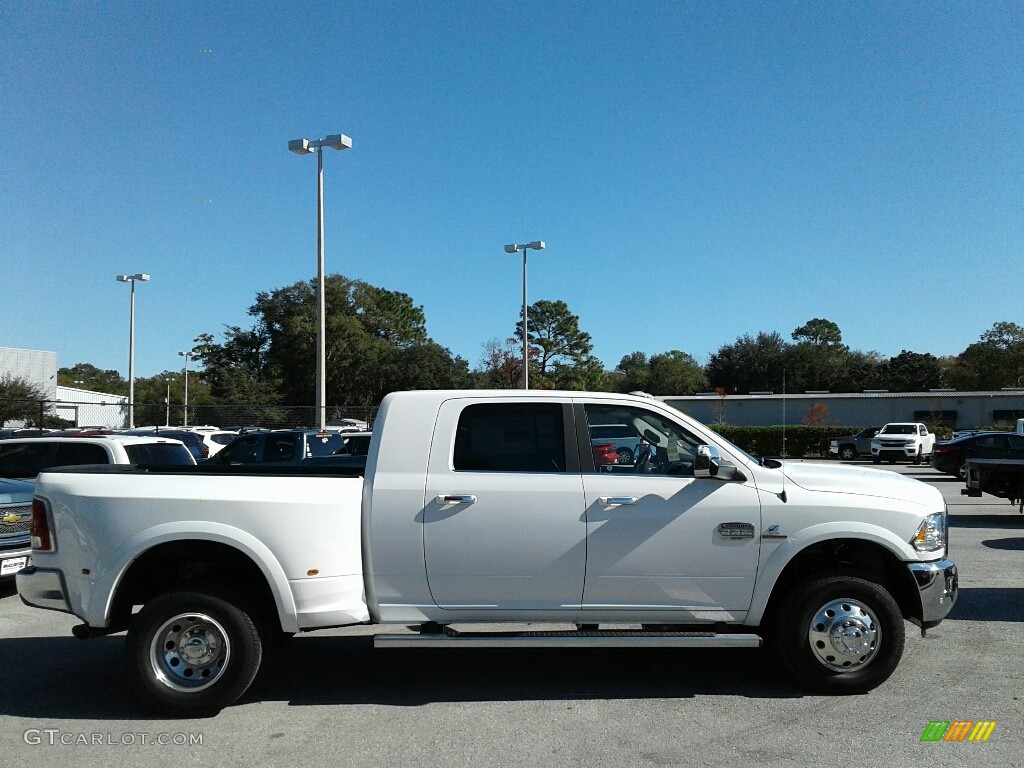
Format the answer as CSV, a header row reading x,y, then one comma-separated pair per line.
x,y
186,355
536,245
167,402
305,147
131,345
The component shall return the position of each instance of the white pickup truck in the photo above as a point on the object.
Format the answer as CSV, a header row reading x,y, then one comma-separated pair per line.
x,y
908,440
490,507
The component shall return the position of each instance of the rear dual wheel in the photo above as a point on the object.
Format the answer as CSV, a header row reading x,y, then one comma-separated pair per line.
x,y
192,653
840,634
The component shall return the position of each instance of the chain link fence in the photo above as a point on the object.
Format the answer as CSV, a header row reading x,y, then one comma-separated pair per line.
x,y
57,414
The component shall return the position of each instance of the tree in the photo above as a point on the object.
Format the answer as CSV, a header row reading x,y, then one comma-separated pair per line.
x,y
501,367
750,364
819,358
376,342
993,362
913,372
19,400
667,373
88,376
819,332
563,352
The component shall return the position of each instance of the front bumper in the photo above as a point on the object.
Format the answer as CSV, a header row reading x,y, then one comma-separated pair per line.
x,y
43,588
938,587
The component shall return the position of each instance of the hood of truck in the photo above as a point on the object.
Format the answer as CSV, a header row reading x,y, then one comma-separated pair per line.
x,y
862,481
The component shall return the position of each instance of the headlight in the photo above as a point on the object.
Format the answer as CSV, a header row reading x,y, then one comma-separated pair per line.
x,y
931,534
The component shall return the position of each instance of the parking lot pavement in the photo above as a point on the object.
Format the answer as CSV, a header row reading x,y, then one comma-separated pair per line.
x,y
329,698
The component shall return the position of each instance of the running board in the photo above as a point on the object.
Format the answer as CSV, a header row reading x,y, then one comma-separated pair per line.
x,y
451,638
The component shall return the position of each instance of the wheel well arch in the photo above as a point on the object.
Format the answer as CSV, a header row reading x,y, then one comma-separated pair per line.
x,y
190,564
851,557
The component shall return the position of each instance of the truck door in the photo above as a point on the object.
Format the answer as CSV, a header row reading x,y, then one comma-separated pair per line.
x,y
503,523
657,536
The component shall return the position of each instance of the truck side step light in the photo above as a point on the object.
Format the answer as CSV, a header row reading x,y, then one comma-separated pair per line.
x,y
568,639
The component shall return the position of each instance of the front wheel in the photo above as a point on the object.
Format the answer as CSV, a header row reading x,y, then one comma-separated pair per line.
x,y
192,653
961,470
847,453
840,634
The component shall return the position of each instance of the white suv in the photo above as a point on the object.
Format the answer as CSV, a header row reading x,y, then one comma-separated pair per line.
x,y
24,458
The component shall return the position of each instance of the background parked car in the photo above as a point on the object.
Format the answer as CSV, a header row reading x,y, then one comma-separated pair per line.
x,y
24,458
950,456
15,522
851,446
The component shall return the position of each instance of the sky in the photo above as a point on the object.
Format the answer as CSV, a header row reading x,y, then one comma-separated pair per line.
x,y
698,170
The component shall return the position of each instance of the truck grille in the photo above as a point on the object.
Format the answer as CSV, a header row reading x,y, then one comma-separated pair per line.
x,y
20,526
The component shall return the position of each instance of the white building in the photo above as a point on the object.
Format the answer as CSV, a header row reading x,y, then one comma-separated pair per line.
x,y
37,367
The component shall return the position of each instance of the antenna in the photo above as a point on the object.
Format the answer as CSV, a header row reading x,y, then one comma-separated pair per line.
x,y
782,495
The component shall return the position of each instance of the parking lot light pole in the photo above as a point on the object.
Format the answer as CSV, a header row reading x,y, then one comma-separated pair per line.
x,y
536,245
305,147
186,355
131,344
167,402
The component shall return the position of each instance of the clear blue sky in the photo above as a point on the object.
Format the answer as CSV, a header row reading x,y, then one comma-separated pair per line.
x,y
698,170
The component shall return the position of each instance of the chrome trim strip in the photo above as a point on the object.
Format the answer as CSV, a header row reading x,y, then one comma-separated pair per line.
x,y
568,640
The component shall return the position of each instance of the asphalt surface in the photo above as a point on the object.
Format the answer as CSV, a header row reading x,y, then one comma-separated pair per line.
x,y
328,698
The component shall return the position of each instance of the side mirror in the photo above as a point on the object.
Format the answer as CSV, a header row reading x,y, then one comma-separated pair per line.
x,y
704,461
708,463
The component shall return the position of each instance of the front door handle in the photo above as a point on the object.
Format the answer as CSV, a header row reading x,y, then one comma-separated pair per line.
x,y
610,501
451,498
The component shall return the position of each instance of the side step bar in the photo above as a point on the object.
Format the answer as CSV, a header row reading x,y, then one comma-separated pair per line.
x,y
451,638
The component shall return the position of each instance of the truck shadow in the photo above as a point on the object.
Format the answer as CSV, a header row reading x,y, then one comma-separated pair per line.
x,y
1015,520
414,677
989,604
63,678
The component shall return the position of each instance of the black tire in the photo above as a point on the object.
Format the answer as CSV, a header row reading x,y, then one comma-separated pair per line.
x,y
917,459
191,654
961,470
876,460
847,453
625,455
840,634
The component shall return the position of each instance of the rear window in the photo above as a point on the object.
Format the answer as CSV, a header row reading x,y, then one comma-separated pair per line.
x,y
519,437
158,453
323,446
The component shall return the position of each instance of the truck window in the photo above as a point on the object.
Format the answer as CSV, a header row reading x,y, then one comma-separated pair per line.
x,y
645,441
74,454
323,446
279,449
243,451
21,460
511,437
158,453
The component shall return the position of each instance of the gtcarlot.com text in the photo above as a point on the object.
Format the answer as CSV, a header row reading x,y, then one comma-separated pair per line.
x,y
54,737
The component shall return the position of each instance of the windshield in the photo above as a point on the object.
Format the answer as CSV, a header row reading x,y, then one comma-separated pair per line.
x,y
899,429
722,441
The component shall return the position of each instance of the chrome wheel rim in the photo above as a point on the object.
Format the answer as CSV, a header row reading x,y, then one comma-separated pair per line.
x,y
190,652
844,635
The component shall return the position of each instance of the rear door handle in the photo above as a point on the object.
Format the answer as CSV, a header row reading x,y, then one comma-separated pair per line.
x,y
451,498
610,501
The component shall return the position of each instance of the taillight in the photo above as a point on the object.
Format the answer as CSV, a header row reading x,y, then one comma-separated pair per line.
x,y
42,540
944,448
